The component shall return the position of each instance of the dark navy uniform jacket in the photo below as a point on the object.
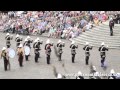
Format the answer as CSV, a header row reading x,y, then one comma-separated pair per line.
x,y
48,49
59,45
8,38
87,48
102,50
73,48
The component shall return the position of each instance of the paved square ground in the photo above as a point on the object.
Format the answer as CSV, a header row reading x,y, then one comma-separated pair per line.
x,y
41,70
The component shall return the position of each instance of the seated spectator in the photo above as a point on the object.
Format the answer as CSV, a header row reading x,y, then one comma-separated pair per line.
x,y
88,26
96,21
42,21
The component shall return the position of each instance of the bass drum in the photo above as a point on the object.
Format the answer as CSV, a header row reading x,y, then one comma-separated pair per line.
x,y
27,50
11,53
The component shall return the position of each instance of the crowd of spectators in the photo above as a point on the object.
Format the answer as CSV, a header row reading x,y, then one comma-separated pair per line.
x,y
58,24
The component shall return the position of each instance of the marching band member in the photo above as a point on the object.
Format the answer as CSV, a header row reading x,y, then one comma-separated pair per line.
x,y
79,75
26,44
18,39
60,44
8,38
73,50
92,71
39,43
102,50
29,41
36,50
5,56
97,76
59,76
87,52
118,76
48,50
20,52
35,42
113,75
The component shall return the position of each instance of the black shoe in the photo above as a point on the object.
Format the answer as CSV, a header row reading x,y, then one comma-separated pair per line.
x,y
21,66
102,65
36,61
